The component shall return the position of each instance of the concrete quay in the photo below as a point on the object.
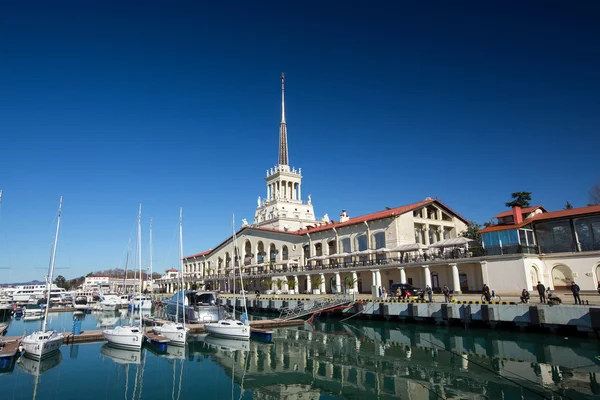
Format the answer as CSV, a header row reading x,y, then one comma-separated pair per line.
x,y
580,318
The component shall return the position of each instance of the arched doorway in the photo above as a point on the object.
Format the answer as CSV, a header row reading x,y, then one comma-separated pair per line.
x,y
562,276
534,274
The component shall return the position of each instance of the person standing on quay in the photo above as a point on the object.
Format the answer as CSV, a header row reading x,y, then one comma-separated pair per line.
x,y
429,293
446,292
575,289
542,292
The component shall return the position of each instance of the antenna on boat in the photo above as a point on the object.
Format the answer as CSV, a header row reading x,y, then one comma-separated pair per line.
x,y
181,271
150,245
236,258
139,260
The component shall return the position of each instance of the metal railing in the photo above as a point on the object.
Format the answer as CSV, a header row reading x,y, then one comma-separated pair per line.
x,y
313,306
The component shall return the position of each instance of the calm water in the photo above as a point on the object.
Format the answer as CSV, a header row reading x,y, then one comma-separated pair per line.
x,y
361,360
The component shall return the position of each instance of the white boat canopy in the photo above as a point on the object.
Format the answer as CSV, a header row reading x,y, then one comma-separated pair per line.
x,y
459,241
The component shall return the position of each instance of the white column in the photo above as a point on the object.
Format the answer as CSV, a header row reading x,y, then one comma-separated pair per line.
x,y
378,276
355,280
402,275
299,192
455,279
323,287
374,293
308,284
297,286
338,283
484,274
427,275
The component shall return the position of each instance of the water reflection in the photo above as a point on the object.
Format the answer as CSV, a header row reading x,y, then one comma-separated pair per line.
x,y
121,356
37,367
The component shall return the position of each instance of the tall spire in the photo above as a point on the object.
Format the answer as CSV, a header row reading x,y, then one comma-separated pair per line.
x,y
283,147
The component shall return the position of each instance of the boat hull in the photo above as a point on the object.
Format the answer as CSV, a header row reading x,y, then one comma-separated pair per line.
x,y
176,336
229,329
124,337
42,344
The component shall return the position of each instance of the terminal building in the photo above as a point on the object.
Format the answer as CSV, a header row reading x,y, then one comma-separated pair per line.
x,y
288,249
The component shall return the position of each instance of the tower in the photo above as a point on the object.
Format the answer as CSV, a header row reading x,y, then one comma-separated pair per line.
x,y
283,208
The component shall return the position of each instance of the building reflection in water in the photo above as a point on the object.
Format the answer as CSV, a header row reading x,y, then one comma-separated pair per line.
x,y
354,361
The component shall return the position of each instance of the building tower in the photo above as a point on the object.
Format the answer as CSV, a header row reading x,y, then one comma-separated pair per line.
x,y
283,208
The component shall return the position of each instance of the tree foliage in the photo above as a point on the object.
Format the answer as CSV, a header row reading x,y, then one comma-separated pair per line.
x,y
472,231
520,199
568,206
61,282
595,194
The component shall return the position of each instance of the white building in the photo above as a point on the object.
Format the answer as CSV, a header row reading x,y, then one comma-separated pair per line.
x,y
285,239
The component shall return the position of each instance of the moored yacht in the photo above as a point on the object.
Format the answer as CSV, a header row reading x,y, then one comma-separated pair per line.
x,y
198,306
44,342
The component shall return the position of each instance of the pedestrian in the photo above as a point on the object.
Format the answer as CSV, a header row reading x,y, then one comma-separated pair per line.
x,y
542,292
486,292
524,296
403,293
575,290
446,291
429,293
385,294
398,294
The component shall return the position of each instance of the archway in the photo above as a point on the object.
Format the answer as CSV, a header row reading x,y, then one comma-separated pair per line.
x,y
562,276
534,274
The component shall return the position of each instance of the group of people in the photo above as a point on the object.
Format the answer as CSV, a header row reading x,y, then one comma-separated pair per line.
x,y
546,296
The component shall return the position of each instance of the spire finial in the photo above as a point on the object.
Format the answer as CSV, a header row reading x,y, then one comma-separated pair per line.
x,y
283,97
283,147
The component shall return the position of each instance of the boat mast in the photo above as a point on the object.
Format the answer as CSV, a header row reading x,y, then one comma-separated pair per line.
x,y
181,268
234,259
151,280
51,272
139,259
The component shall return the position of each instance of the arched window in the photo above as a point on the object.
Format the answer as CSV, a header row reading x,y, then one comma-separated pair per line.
x,y
272,252
361,242
260,254
379,239
284,253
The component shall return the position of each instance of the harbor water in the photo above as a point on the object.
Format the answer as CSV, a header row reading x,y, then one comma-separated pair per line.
x,y
328,359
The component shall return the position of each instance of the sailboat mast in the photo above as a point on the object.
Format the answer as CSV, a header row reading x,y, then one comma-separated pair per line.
x,y
234,259
151,281
181,266
51,272
139,257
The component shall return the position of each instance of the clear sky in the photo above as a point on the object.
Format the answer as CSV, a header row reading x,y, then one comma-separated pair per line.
x,y
175,104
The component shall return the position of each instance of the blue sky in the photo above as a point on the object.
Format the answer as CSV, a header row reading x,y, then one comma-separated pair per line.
x,y
111,105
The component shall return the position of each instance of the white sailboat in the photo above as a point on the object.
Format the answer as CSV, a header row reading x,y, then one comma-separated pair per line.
x,y
44,342
175,331
129,336
232,328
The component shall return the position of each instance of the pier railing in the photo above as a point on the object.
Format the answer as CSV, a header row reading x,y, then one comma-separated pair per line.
x,y
310,307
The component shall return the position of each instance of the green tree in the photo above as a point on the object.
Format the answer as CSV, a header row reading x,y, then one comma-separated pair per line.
x,y
472,231
595,194
291,284
60,281
568,206
520,199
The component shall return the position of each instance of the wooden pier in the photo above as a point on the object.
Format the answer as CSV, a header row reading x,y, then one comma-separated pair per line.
x,y
8,349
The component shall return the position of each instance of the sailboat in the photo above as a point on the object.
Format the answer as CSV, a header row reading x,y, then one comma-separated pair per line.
x,y
44,342
39,367
176,332
129,336
230,327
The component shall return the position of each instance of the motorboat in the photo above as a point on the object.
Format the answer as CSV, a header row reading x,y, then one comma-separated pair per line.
x,y
81,302
199,307
142,302
110,304
32,293
44,342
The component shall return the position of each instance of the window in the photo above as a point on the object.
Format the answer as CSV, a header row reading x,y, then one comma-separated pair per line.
x,y
379,238
361,242
555,236
588,233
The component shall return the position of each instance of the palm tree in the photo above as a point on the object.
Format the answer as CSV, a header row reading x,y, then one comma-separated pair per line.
x,y
350,283
279,283
291,285
316,281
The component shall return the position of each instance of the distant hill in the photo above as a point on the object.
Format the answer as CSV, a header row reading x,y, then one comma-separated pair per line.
x,y
23,283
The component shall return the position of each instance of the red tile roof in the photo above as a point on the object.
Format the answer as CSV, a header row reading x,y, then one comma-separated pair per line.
x,y
545,216
204,253
172,270
377,215
525,210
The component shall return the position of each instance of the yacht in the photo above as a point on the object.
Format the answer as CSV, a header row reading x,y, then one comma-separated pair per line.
x,y
33,293
44,342
198,306
142,302
129,336
176,331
